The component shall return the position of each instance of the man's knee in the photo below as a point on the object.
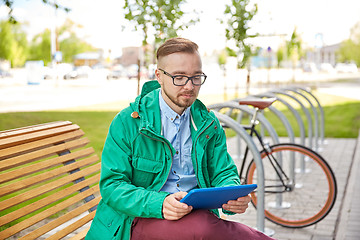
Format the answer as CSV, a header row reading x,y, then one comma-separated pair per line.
x,y
205,230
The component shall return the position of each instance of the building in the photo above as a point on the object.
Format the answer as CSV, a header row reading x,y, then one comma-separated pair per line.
x,y
88,59
326,54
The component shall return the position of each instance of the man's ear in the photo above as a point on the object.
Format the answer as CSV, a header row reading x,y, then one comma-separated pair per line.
x,y
157,75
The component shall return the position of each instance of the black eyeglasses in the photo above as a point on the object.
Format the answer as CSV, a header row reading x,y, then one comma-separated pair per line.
x,y
181,80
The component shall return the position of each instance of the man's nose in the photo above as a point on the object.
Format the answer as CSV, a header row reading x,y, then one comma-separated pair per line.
x,y
189,84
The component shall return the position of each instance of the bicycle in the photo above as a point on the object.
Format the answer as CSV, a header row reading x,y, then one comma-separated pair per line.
x,y
300,186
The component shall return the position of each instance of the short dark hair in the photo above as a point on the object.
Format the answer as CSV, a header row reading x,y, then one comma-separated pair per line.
x,y
174,45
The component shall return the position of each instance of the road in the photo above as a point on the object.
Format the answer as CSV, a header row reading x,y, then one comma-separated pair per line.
x,y
16,95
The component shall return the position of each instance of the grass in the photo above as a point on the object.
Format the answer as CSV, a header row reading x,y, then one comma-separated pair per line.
x,y
95,124
342,120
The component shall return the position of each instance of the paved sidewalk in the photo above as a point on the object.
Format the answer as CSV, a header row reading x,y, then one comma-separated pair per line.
x,y
343,222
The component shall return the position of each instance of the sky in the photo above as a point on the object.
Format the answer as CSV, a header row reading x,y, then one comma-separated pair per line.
x,y
102,21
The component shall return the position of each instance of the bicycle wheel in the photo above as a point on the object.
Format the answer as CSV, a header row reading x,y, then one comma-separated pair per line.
x,y
307,191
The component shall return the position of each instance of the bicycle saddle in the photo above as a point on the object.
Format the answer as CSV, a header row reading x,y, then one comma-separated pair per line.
x,y
260,103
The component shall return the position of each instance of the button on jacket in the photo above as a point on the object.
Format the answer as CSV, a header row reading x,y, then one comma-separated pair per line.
x,y
136,162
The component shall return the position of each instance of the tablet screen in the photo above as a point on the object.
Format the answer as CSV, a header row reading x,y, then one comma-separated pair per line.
x,y
212,198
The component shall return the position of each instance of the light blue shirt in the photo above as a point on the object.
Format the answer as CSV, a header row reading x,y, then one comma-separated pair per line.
x,y
176,129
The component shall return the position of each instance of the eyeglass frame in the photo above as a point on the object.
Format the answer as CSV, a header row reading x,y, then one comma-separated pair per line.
x,y
188,78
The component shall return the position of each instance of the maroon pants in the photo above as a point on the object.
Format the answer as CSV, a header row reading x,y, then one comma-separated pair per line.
x,y
199,224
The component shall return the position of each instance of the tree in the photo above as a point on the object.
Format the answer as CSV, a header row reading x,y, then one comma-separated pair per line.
x,y
70,45
280,56
73,45
350,49
162,18
13,43
238,16
40,47
294,49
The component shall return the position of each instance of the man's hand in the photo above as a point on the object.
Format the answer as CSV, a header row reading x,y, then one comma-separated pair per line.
x,y
237,206
173,209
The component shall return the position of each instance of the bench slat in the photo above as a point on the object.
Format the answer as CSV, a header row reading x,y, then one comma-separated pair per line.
x,y
71,228
35,145
50,211
46,201
26,170
33,128
47,171
43,153
81,235
50,186
19,139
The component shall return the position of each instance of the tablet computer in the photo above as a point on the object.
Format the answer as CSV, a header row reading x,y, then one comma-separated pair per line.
x,y
212,198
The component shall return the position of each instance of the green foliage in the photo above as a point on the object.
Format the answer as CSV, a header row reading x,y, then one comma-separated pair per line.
x,y
13,43
71,45
280,56
222,58
238,16
294,47
40,48
161,18
350,49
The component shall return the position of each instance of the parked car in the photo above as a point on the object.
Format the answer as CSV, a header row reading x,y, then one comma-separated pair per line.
x,y
346,68
78,72
4,74
310,67
115,74
327,67
132,71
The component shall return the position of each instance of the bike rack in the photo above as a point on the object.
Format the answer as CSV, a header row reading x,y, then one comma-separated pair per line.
x,y
260,223
321,113
234,105
282,118
305,110
316,119
295,113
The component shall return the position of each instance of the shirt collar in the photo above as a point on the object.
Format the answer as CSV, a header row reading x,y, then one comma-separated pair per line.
x,y
168,112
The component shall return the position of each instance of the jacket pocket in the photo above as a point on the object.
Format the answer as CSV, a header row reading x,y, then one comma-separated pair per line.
x,y
106,224
145,171
146,165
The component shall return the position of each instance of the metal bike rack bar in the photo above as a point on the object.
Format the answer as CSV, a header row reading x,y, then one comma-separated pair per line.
x,y
260,223
284,121
234,105
261,118
295,113
321,111
316,118
306,111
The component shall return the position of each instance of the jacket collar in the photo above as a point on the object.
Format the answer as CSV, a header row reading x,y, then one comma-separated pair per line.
x,y
146,107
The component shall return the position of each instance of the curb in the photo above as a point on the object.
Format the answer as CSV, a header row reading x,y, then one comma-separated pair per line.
x,y
343,220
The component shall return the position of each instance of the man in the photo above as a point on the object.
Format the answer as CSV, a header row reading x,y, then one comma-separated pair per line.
x,y
159,148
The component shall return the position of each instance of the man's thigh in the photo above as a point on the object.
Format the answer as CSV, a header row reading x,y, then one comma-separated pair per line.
x,y
199,224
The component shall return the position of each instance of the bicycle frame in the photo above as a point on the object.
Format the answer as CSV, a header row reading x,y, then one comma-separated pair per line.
x,y
274,162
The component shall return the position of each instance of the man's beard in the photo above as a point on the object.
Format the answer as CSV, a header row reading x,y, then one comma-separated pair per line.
x,y
182,104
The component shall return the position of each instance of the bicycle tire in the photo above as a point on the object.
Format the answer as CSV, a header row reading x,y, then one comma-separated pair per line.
x,y
312,195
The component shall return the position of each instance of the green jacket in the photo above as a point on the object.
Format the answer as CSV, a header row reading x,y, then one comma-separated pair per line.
x,y
136,162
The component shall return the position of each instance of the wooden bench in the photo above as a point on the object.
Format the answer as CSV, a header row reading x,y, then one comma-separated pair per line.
x,y
48,182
